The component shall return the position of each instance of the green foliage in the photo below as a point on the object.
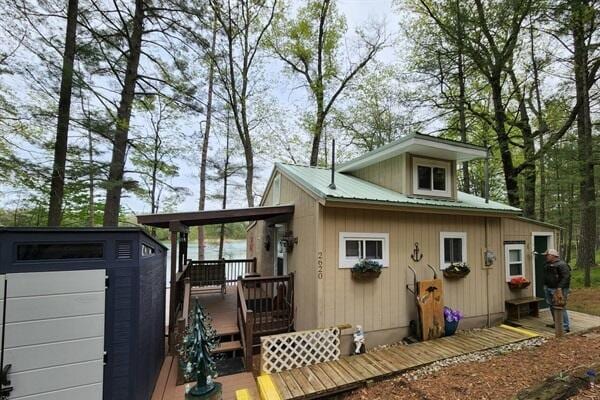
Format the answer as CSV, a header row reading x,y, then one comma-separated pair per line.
x,y
195,352
367,266
577,277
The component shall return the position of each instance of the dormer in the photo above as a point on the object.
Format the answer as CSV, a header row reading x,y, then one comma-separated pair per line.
x,y
415,165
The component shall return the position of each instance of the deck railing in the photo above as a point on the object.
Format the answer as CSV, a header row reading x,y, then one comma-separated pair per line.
x,y
272,301
217,272
245,319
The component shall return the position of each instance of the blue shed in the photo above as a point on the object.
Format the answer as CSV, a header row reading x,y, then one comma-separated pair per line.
x,y
82,312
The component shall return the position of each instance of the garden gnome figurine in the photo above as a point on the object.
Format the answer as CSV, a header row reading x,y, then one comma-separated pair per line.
x,y
359,340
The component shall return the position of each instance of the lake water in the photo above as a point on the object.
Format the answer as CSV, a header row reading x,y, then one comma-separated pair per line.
x,y
232,249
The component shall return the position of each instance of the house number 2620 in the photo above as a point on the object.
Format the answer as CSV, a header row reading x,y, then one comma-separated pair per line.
x,y
320,265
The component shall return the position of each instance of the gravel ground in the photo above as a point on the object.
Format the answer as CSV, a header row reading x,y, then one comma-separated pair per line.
x,y
493,374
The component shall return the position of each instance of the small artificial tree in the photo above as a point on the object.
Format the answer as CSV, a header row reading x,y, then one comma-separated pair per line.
x,y
196,360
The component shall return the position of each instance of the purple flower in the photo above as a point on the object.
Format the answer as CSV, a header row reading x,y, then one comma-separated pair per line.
x,y
452,315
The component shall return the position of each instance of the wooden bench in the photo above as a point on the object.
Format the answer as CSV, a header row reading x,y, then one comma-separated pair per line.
x,y
523,305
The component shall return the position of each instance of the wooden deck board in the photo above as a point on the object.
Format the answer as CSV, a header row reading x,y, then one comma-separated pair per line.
x,y
352,371
166,389
579,322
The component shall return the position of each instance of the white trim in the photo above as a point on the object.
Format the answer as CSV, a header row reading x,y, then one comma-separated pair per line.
x,y
452,235
393,149
549,235
348,262
276,188
507,248
424,162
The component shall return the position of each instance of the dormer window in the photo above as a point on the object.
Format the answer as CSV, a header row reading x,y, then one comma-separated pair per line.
x,y
431,177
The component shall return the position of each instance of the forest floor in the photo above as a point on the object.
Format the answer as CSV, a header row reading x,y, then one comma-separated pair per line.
x,y
583,299
500,376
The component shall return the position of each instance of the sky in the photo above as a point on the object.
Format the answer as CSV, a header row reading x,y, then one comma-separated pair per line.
x,y
357,13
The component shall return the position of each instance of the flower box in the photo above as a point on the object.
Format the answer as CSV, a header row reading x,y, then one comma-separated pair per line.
x,y
456,271
518,285
365,275
366,270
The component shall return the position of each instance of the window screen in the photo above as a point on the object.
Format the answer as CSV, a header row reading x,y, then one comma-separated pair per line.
x,y
424,176
439,178
453,250
353,248
374,249
59,251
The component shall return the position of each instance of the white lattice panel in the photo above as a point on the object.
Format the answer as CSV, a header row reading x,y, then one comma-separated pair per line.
x,y
299,349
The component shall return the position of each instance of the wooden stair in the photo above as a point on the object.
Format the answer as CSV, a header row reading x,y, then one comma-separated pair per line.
x,y
226,347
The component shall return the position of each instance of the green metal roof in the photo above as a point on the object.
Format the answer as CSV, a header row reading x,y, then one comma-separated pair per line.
x,y
350,188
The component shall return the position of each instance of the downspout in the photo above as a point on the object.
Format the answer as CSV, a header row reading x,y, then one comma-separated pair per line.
x,y
487,274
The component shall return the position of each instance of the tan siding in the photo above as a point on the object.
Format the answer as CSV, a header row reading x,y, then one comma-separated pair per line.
x,y
302,260
385,303
396,174
519,230
388,173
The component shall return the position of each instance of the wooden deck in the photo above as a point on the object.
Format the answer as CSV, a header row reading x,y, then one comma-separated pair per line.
x,y
166,388
579,322
222,309
351,372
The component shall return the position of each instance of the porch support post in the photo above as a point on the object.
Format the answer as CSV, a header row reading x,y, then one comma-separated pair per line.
x,y
173,293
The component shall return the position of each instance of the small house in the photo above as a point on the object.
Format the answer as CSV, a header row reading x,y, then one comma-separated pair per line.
x,y
398,205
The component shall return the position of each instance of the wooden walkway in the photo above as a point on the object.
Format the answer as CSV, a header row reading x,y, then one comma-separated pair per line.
x,y
579,322
351,372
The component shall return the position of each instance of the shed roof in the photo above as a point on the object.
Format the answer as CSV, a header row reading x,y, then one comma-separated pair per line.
x,y
197,218
349,188
417,144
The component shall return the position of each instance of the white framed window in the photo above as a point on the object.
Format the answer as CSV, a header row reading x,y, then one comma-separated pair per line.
x,y
431,177
514,258
276,190
453,248
356,246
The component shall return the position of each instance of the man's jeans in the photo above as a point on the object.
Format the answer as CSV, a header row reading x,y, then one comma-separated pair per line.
x,y
549,299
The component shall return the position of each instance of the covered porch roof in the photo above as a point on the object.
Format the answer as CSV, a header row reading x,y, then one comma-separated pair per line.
x,y
198,218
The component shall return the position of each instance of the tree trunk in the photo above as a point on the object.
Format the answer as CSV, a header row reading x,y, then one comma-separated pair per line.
x,y
510,175
57,185
205,139
316,142
587,193
91,205
541,123
224,205
570,224
119,151
462,120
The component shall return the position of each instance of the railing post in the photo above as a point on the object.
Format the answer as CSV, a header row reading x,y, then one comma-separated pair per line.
x,y
187,294
249,333
254,265
181,324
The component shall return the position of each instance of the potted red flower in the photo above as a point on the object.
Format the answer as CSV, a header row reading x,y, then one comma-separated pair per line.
x,y
518,283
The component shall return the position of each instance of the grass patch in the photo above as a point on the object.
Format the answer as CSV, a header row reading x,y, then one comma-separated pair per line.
x,y
577,278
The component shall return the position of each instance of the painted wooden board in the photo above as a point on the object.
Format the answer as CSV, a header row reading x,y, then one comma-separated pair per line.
x,y
55,334
431,307
57,282
93,391
53,330
40,381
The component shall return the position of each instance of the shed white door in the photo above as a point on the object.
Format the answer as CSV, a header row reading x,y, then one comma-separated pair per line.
x,y
54,334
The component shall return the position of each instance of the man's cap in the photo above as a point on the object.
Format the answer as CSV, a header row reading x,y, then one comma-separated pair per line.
x,y
551,252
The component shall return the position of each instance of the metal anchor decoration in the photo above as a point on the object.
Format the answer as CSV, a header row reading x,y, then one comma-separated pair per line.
x,y
416,255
